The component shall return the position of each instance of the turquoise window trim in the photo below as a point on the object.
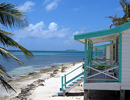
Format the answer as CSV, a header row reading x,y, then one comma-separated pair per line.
x,y
120,58
85,63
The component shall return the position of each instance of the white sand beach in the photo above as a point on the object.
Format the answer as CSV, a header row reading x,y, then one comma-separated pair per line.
x,y
49,85
52,86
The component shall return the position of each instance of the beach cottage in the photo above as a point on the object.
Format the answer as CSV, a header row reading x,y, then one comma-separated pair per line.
x,y
110,71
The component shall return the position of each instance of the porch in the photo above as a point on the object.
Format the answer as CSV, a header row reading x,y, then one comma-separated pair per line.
x,y
101,80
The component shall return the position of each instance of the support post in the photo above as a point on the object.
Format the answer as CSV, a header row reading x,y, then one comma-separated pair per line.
x,y
105,53
86,94
88,55
120,58
85,58
122,94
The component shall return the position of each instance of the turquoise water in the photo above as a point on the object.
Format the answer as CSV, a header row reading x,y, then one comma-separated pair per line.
x,y
41,60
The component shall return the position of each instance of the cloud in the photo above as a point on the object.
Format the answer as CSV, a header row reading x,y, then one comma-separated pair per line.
x,y
52,5
119,9
53,26
37,31
75,33
46,1
26,6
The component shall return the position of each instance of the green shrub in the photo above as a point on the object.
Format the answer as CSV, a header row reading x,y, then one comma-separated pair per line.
x,y
99,67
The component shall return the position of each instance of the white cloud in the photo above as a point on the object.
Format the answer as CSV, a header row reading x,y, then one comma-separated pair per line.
x,y
26,6
53,26
75,33
119,9
52,5
38,32
46,1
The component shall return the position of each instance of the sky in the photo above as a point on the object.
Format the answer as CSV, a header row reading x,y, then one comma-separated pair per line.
x,y
53,23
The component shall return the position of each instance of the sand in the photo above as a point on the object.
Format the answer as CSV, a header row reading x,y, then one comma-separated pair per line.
x,y
50,86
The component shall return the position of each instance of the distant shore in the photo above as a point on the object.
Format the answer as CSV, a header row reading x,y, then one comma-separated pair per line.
x,y
34,80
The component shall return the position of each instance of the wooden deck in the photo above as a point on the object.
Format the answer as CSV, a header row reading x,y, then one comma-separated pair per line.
x,y
101,84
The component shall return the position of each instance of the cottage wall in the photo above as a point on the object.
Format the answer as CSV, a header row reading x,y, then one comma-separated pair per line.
x,y
108,52
126,60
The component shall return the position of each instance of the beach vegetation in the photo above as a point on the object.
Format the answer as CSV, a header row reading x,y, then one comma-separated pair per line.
x,y
10,17
83,66
74,63
63,69
99,67
55,71
116,21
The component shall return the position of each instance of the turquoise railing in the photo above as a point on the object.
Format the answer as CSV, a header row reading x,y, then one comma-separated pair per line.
x,y
64,80
102,73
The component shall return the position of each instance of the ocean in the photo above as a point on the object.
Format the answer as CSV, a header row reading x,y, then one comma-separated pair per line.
x,y
41,60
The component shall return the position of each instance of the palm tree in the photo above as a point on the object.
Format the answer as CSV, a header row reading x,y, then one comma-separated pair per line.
x,y
116,21
10,16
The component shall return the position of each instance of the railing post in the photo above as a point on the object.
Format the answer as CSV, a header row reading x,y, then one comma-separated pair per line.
x,y
65,80
62,82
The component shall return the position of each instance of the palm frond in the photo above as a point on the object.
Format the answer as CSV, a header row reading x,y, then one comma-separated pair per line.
x,y
7,41
5,53
3,71
5,84
6,33
11,17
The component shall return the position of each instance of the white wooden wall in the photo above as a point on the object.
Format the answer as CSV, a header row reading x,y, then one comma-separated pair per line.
x,y
111,53
108,52
126,60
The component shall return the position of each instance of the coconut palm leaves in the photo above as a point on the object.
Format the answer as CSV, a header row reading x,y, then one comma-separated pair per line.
x,y
116,21
10,17
126,8
2,78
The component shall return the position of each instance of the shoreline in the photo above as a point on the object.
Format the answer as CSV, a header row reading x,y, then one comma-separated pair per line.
x,y
35,77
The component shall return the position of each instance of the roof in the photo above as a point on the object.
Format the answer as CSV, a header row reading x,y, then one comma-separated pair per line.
x,y
103,35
